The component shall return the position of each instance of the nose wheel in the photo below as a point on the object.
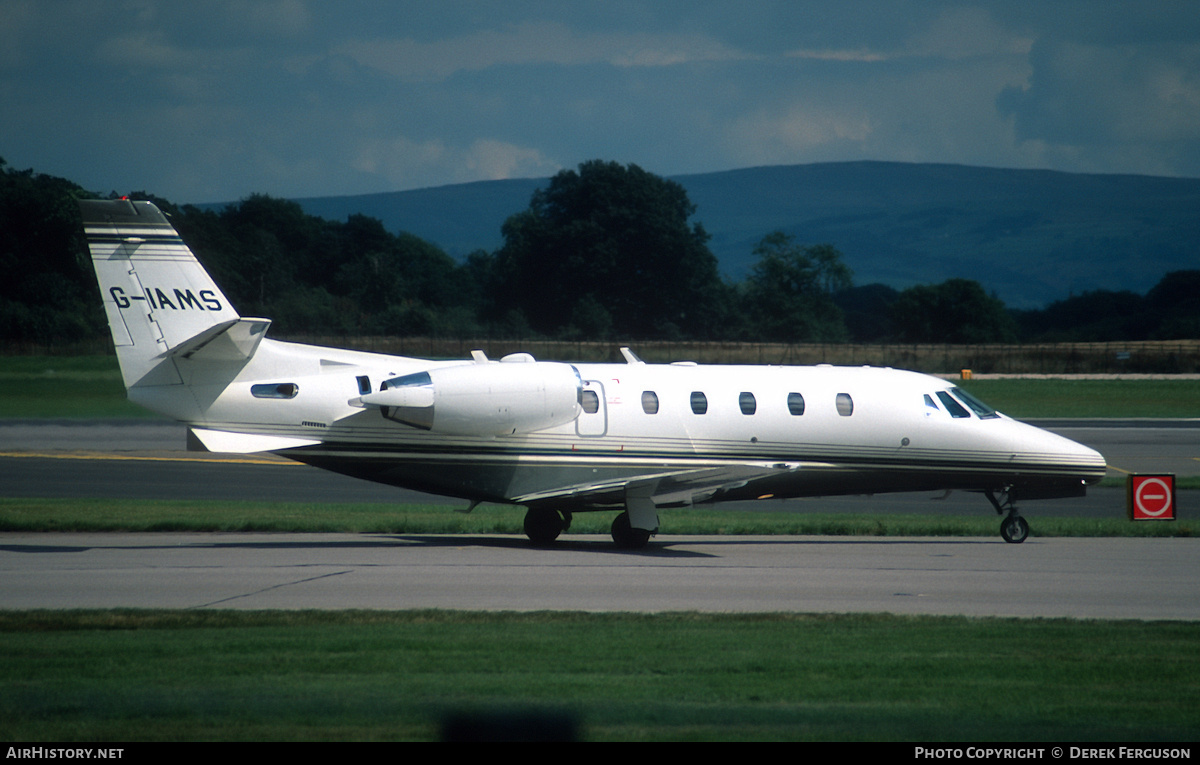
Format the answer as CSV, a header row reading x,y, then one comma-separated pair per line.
x,y
1013,529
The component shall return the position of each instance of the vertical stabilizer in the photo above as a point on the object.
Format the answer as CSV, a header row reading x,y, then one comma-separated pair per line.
x,y
158,297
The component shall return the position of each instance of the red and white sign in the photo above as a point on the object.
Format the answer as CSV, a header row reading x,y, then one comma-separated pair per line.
x,y
1151,497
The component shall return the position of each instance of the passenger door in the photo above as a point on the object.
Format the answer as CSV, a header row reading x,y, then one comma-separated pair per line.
x,y
593,421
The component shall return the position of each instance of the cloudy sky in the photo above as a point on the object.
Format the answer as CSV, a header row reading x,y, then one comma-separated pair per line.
x,y
211,101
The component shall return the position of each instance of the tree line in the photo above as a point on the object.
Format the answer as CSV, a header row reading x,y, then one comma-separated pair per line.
x,y
606,251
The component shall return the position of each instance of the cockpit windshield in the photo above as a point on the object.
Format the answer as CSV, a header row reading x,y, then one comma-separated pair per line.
x,y
981,410
955,409
953,401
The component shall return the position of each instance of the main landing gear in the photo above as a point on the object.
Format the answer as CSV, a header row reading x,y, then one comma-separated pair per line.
x,y
626,536
1013,529
543,525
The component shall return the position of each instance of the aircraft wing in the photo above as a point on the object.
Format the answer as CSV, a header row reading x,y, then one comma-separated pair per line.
x,y
669,488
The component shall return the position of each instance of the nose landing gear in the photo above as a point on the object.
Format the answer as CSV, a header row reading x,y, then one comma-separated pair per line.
x,y
1013,529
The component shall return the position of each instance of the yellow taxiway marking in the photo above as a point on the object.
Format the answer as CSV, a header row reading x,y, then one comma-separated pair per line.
x,y
109,456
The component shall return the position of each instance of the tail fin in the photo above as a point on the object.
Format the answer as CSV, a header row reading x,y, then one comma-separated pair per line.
x,y
160,301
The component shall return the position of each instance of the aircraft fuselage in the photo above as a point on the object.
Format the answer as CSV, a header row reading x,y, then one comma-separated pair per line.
x,y
828,430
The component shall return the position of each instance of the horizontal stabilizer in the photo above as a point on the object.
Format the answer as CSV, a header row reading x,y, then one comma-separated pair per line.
x,y
234,340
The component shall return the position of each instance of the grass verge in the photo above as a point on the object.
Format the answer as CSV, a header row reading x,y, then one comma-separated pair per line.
x,y
187,515
64,386
1090,398
371,675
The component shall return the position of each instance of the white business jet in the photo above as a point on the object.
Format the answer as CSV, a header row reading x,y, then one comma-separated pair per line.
x,y
557,438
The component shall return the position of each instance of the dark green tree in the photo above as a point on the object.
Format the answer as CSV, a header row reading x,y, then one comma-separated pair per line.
x,y
1099,315
955,311
313,275
789,293
867,310
1174,305
48,292
609,248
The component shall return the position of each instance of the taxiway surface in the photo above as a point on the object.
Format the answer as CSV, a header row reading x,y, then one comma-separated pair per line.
x,y
1083,578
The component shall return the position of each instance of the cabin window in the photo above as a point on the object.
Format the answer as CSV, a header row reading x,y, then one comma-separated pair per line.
x,y
364,384
590,401
845,404
699,402
796,404
953,407
747,403
981,409
275,390
649,402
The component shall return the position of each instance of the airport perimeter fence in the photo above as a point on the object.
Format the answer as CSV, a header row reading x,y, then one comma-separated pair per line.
x,y
1143,357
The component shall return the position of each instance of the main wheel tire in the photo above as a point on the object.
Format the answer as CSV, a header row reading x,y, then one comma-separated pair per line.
x,y
626,536
1014,529
543,525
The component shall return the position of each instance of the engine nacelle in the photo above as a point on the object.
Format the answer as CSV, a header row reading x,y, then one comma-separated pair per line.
x,y
483,399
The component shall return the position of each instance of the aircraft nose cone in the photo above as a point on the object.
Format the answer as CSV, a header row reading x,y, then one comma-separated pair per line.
x,y
1093,461
1065,453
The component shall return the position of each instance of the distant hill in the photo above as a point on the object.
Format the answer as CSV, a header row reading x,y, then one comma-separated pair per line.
x,y
1029,236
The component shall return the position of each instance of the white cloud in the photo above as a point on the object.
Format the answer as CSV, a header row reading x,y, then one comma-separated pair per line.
x,y
792,134
295,97
1108,96
859,54
16,21
403,163
530,43
279,18
967,32
954,34
399,158
145,49
493,160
